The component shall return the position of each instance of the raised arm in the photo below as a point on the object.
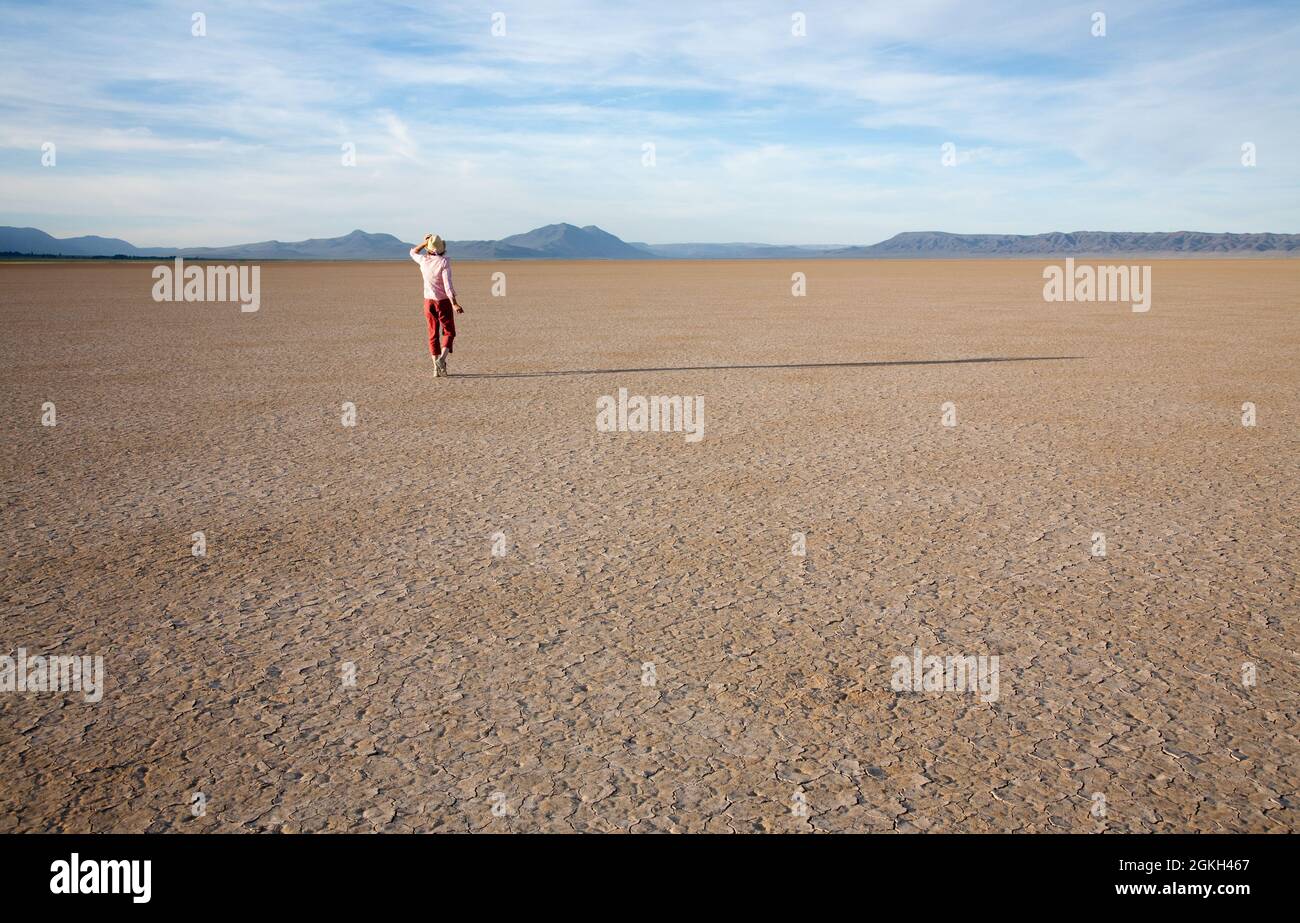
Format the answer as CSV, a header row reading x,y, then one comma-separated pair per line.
x,y
423,245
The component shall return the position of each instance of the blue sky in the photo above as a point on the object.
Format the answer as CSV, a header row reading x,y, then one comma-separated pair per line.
x,y
835,136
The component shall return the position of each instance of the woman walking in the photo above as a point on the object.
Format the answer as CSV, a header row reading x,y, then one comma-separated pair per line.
x,y
439,299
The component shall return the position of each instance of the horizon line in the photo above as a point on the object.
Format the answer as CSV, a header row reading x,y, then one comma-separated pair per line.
x,y
822,247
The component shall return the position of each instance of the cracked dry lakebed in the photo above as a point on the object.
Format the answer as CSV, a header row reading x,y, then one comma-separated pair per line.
x,y
944,557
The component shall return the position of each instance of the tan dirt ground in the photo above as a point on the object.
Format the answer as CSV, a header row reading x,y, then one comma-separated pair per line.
x,y
523,675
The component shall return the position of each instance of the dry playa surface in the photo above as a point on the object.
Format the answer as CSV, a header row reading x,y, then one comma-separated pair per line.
x,y
1153,689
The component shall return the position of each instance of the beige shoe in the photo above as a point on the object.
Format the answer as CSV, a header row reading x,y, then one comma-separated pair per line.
x,y
440,366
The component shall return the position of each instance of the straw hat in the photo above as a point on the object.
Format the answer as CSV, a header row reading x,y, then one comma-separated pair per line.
x,y
436,244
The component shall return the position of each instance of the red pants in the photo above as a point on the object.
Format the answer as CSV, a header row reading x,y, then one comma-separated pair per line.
x,y
439,312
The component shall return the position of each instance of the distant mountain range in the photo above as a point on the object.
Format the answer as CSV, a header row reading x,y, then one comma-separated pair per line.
x,y
567,242
355,246
1076,243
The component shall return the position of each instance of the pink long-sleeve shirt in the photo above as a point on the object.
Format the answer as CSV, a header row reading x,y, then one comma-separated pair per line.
x,y
437,275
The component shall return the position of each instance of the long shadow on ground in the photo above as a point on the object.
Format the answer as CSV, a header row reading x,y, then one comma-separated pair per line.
x,y
792,365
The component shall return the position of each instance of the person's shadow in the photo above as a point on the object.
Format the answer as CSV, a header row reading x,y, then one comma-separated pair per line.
x,y
790,365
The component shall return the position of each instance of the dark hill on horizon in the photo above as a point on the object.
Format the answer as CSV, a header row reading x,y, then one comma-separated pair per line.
x,y
1056,243
570,242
